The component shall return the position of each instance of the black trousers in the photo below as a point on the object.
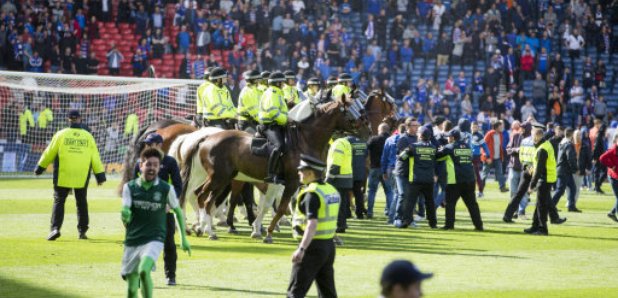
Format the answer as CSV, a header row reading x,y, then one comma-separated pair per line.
x,y
425,189
219,123
276,136
169,248
359,198
600,173
466,192
344,208
60,197
543,206
522,189
317,264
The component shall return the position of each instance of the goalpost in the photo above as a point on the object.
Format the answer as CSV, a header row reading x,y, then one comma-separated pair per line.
x,y
34,106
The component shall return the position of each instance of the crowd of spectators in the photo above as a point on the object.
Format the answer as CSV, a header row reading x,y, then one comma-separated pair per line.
x,y
491,50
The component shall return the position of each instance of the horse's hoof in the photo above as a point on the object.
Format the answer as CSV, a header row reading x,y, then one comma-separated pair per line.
x,y
199,233
268,240
232,231
256,235
188,231
213,237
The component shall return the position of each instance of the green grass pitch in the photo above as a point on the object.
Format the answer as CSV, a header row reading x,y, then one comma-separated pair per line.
x,y
577,260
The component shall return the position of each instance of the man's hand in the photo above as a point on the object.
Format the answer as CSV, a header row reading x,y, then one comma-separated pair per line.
x,y
185,246
298,255
39,170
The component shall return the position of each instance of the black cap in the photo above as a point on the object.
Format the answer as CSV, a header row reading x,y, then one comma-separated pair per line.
x,y
154,138
276,77
309,162
344,77
455,133
313,81
402,272
289,75
74,114
425,132
217,73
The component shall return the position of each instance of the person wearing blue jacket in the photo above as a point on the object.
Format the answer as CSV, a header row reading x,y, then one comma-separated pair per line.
x,y
388,160
478,143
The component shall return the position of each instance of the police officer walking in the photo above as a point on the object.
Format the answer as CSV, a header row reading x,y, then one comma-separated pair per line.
x,y
339,174
248,103
170,173
273,115
74,152
459,179
219,110
314,223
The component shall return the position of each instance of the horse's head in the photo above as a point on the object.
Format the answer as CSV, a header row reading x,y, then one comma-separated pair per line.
x,y
349,116
381,108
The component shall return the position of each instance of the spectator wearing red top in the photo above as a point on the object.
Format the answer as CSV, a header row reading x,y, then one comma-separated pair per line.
x,y
494,141
526,63
610,160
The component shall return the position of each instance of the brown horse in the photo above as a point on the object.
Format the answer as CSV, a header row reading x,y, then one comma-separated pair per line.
x,y
381,108
227,156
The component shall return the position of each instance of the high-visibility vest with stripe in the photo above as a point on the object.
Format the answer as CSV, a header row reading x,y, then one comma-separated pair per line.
x,y
422,162
219,103
273,107
340,90
552,175
340,154
201,97
527,151
327,213
248,103
290,93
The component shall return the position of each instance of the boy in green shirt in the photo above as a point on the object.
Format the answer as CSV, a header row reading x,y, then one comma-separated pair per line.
x,y
144,203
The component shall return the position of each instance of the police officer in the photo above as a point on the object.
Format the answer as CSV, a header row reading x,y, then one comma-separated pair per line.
x,y
339,174
402,174
314,222
359,174
459,179
263,83
343,87
527,152
273,115
290,92
544,177
248,103
219,110
170,173
421,157
74,152
313,89
325,94
201,98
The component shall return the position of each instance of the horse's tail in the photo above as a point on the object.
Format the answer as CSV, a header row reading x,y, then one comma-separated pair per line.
x,y
134,148
187,167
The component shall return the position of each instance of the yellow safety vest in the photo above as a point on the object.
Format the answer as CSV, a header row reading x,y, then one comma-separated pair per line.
x,y
327,213
340,154
45,117
340,90
201,97
273,107
248,103
552,176
219,103
527,151
76,152
291,94
25,120
131,126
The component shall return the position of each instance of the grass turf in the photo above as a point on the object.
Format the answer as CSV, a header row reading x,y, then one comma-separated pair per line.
x,y
577,260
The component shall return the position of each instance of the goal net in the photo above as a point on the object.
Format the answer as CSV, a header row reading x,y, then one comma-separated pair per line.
x,y
34,106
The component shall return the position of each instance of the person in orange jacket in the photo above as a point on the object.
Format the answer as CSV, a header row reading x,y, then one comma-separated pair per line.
x,y
494,141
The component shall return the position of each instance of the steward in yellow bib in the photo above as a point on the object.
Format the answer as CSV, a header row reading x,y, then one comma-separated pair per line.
x,y
201,98
248,103
339,174
343,87
26,119
219,110
316,210
544,177
46,116
460,180
290,92
313,89
273,116
74,153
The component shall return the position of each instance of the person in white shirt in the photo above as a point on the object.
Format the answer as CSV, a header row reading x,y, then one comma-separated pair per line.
x,y
114,58
574,43
437,12
577,101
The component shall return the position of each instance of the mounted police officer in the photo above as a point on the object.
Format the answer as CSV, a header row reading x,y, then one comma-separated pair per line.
x,y
314,222
219,108
263,82
290,92
325,94
248,103
344,86
313,89
273,115
201,98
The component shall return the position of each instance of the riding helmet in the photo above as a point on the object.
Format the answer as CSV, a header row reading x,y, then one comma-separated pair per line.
x,y
313,81
265,74
207,73
217,73
331,80
289,75
276,77
344,77
252,75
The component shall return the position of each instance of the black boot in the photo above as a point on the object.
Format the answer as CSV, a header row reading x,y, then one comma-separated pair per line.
x,y
273,165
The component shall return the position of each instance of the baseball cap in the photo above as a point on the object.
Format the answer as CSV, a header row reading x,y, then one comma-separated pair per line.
x,y
402,272
154,138
74,114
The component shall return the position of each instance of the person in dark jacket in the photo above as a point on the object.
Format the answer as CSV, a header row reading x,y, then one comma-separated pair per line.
x,y
519,132
542,179
460,180
402,170
170,173
598,148
557,138
584,163
566,167
421,157
375,147
359,174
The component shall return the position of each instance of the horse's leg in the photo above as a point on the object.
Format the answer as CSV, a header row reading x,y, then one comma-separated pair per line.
x,y
267,195
234,199
281,209
249,202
